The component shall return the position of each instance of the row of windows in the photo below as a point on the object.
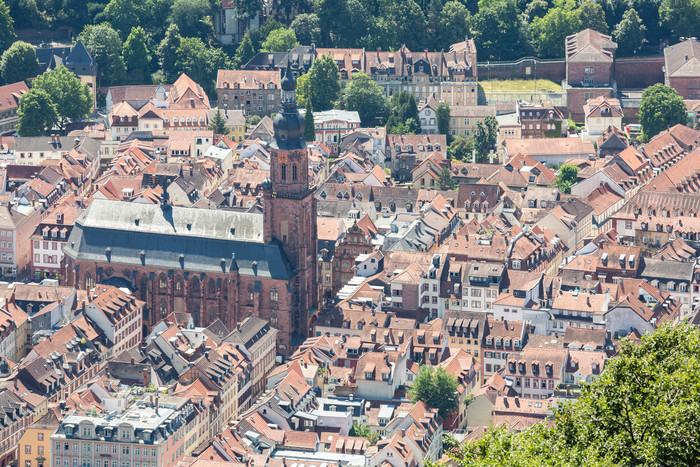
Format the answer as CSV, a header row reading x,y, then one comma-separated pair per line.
x,y
261,97
86,447
87,463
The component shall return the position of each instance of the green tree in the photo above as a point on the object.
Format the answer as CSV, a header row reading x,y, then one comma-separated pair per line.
x,y
566,177
445,180
436,388
200,62
167,52
629,33
106,48
681,17
218,124
192,16
18,62
307,29
592,16
263,31
442,116
355,25
404,115
408,24
403,105
7,27
461,149
123,15
73,99
499,31
252,121
309,126
642,410
661,107
279,40
362,431
323,83
156,23
549,32
453,24
536,9
244,52
248,8
37,114
648,11
331,14
365,96
303,90
614,9
25,14
433,13
136,57
485,137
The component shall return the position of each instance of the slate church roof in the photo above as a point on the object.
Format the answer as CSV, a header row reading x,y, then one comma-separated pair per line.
x,y
177,238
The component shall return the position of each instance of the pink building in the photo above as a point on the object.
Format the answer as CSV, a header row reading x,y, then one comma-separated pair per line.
x,y
17,223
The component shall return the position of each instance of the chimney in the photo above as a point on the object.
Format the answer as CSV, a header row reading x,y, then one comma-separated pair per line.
x,y
145,377
157,398
151,401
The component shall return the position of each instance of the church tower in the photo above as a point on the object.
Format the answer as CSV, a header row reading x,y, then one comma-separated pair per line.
x,y
289,203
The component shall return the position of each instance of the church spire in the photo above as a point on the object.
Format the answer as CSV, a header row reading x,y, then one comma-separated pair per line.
x,y
289,124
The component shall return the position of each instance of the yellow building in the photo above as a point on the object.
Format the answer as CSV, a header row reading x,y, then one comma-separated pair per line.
x,y
459,92
465,330
234,120
463,118
35,443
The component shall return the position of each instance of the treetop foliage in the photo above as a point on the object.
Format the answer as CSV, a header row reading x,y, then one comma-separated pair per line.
x,y
644,409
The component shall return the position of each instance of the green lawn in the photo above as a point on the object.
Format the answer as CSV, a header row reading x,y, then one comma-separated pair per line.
x,y
518,85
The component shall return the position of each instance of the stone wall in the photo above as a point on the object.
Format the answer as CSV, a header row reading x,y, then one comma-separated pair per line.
x,y
524,68
639,72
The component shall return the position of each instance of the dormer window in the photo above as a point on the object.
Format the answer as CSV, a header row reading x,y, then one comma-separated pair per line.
x,y
489,341
498,342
